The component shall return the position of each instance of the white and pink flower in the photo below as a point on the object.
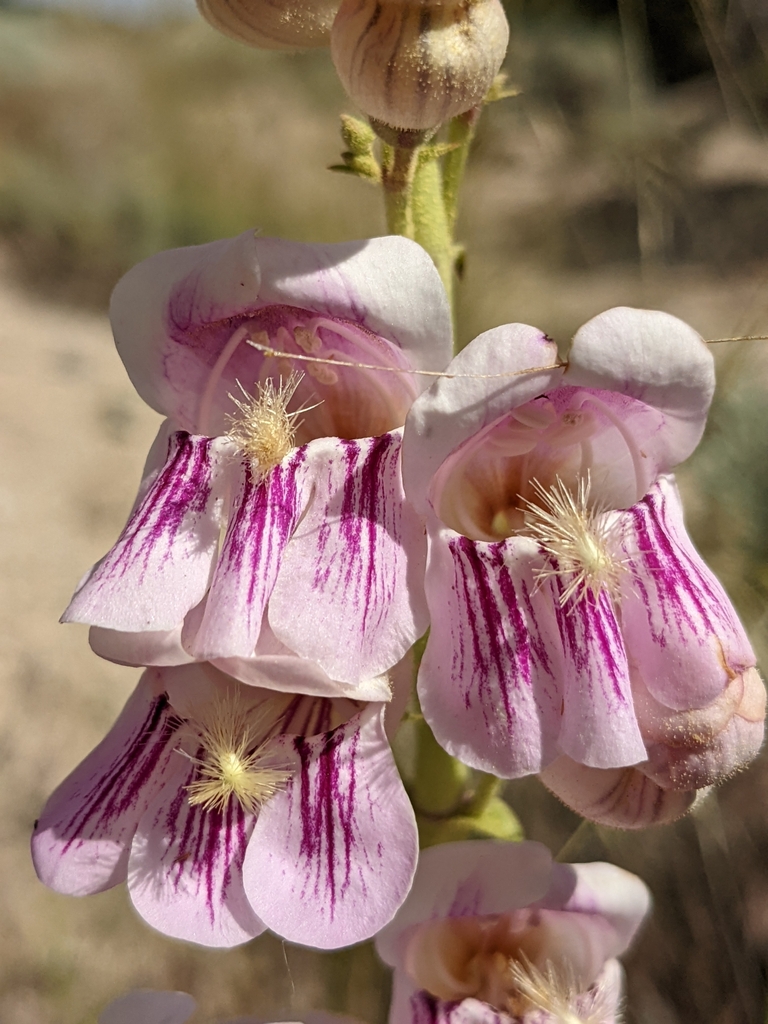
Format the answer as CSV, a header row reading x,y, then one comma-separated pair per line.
x,y
574,628
294,463
230,809
493,933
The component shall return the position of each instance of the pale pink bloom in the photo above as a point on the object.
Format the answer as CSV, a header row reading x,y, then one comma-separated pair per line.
x,y
144,1006
493,933
265,492
229,809
572,621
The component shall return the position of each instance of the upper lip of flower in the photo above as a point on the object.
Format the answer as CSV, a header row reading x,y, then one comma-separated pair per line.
x,y
181,318
653,368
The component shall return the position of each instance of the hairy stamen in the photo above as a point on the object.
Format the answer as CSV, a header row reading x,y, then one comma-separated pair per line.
x,y
234,762
556,993
577,535
263,430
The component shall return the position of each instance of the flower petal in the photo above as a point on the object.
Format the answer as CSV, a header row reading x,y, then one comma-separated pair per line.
x,y
160,566
82,838
159,306
145,1007
681,631
388,285
655,358
457,407
333,855
618,797
349,594
619,900
152,648
263,517
489,680
598,724
173,314
185,869
697,748
467,879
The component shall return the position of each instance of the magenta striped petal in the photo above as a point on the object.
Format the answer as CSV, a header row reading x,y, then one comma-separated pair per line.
x,y
679,627
185,869
160,566
332,857
489,680
263,517
598,722
82,838
349,594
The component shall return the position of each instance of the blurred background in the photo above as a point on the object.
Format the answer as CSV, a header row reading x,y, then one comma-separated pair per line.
x,y
631,169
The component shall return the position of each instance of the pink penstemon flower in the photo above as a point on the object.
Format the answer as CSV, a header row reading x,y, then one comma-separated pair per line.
x,y
495,933
273,493
575,631
230,808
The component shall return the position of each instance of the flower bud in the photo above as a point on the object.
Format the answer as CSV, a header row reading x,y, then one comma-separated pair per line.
x,y
272,24
416,63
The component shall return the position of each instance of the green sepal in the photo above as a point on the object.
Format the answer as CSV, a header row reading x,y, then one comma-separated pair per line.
x,y
436,151
496,821
360,166
358,136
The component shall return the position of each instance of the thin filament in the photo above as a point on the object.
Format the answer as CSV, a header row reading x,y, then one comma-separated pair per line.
x,y
206,401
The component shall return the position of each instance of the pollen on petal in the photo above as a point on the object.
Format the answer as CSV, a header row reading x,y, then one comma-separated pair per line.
x,y
579,538
232,760
263,429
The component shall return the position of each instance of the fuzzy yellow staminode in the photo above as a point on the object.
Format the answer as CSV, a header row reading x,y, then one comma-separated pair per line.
x,y
556,993
263,430
233,762
578,536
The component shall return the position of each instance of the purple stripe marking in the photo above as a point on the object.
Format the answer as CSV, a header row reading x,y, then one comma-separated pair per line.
x,y
118,791
327,802
676,577
497,660
265,517
368,515
209,841
587,626
182,487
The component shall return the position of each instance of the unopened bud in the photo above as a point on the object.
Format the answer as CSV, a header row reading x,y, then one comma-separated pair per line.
x,y
272,24
416,63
